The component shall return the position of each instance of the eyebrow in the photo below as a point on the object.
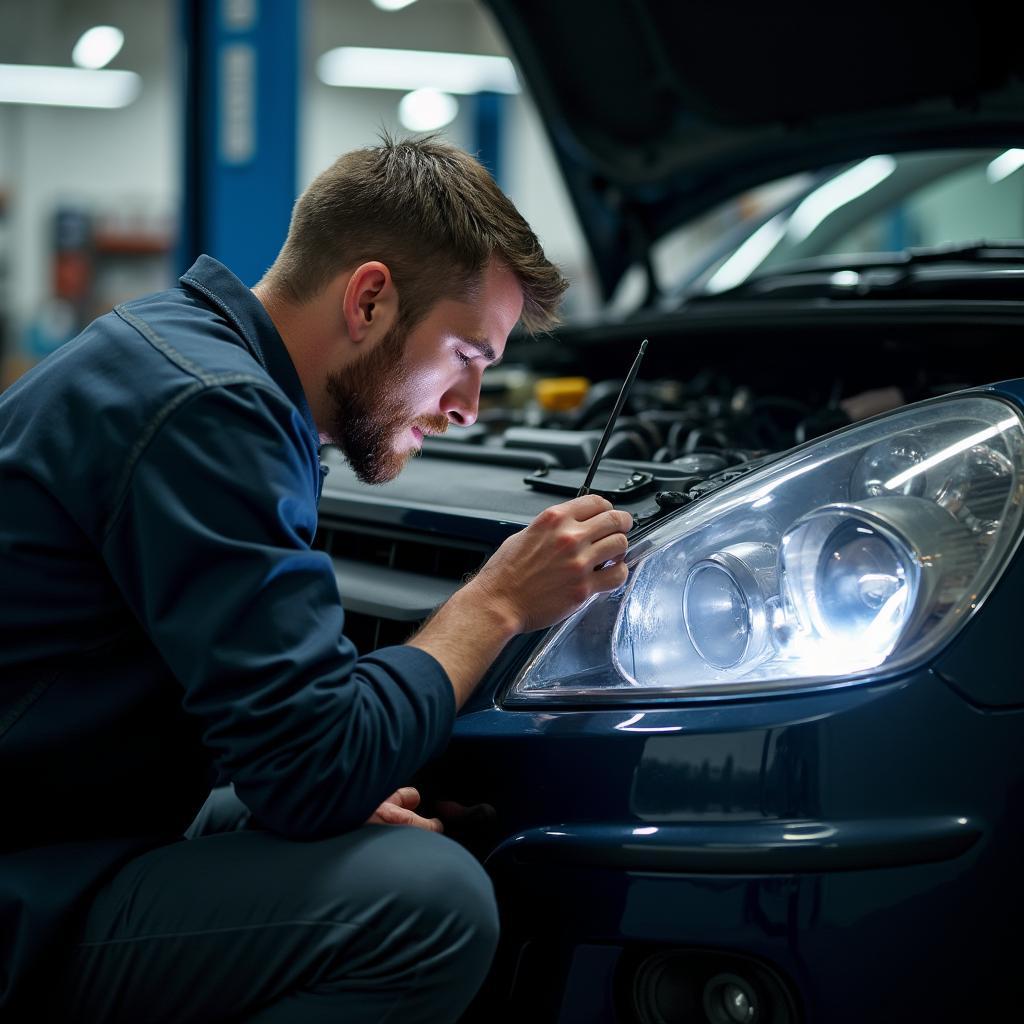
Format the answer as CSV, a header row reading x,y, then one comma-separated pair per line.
x,y
485,348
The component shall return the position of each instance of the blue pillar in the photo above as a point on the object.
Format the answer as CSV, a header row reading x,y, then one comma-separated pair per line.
x,y
487,124
241,127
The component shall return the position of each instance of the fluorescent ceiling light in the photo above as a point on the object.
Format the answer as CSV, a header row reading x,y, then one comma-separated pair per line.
x,y
98,47
392,5
1004,165
67,87
426,110
369,68
837,192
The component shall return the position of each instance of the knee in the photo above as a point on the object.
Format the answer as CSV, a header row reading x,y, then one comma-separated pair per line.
x,y
447,890
407,911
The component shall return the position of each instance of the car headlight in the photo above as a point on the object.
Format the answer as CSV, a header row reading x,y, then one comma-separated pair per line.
x,y
863,551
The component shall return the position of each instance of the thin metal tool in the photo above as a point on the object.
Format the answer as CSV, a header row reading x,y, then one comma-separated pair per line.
x,y
619,402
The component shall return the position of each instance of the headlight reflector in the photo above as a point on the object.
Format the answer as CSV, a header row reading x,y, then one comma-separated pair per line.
x,y
851,582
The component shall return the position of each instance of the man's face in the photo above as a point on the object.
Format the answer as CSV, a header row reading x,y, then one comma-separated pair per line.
x,y
415,383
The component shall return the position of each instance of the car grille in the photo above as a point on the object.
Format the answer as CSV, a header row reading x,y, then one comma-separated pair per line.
x,y
391,579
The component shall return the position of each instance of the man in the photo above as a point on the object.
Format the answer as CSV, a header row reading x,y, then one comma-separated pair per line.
x,y
163,617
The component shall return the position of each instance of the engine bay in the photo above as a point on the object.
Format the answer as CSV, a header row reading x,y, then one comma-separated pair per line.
x,y
709,406
714,396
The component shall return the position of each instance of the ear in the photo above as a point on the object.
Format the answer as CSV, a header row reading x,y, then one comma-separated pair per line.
x,y
370,302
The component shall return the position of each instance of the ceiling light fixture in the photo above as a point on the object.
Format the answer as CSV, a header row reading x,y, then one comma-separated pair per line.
x,y
426,110
371,68
67,87
392,5
97,47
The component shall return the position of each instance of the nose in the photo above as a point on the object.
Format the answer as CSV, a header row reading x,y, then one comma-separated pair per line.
x,y
461,403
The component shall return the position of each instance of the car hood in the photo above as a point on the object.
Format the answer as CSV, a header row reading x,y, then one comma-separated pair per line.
x,y
659,110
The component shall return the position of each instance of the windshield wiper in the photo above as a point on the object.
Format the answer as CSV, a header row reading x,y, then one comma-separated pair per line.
x,y
855,275
1007,251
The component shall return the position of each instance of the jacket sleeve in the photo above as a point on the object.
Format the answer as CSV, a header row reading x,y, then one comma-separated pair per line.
x,y
210,546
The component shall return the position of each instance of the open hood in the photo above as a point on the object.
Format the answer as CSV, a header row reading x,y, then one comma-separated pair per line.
x,y
659,110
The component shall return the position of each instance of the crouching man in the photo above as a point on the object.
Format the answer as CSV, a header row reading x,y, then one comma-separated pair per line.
x,y
163,618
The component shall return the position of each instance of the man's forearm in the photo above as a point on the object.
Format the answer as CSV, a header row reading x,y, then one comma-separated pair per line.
x,y
465,635
535,578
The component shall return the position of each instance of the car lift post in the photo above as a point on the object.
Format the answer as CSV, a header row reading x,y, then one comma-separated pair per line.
x,y
240,122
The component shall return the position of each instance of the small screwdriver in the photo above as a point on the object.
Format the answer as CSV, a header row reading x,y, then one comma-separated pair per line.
x,y
619,402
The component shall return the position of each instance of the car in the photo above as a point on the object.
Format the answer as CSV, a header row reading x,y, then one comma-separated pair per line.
x,y
779,775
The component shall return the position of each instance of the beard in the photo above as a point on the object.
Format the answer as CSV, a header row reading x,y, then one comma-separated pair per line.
x,y
369,411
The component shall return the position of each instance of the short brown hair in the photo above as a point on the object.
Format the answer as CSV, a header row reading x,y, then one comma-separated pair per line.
x,y
431,213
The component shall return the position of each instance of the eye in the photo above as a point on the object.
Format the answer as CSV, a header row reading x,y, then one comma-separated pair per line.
x,y
463,358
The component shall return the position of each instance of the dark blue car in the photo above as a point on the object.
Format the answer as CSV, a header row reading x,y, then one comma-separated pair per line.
x,y
779,776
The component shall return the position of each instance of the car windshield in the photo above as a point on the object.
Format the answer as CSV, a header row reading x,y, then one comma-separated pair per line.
x,y
882,204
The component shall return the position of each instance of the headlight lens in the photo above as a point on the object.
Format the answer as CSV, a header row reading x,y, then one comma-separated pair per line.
x,y
866,582
865,550
726,601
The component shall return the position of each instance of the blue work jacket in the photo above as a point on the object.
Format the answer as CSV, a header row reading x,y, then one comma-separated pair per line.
x,y
163,617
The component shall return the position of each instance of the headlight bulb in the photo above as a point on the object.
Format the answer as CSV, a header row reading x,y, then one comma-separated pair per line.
x,y
726,603
864,583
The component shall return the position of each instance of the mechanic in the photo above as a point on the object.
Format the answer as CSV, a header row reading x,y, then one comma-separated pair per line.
x,y
165,623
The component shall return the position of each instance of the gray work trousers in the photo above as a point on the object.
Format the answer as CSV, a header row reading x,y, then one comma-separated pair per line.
x,y
381,924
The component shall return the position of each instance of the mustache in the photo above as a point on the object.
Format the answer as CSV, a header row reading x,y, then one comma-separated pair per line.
x,y
432,424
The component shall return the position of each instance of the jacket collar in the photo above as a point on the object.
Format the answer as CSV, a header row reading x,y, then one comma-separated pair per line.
x,y
218,286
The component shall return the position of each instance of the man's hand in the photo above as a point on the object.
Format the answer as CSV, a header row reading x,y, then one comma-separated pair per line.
x,y
545,572
400,809
535,579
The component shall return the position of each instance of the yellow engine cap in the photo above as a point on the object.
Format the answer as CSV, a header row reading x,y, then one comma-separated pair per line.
x,y
559,394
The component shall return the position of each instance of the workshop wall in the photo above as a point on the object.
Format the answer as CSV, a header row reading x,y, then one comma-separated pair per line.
x,y
112,175
116,174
